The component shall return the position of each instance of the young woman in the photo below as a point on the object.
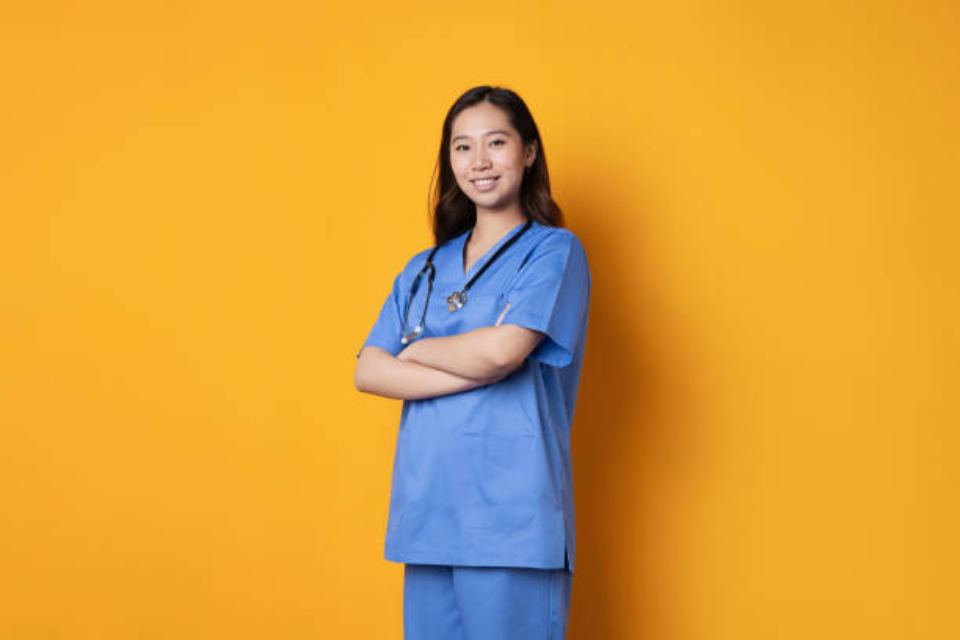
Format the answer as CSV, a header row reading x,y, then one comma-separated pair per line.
x,y
482,337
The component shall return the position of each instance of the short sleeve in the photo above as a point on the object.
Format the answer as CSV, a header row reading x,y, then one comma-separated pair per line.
x,y
389,324
551,294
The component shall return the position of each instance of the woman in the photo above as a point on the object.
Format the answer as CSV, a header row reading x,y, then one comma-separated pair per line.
x,y
482,337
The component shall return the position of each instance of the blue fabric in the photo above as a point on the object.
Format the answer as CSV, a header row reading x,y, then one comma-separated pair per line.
x,y
491,603
484,477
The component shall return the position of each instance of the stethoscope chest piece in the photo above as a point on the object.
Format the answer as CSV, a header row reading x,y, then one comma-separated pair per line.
x,y
456,300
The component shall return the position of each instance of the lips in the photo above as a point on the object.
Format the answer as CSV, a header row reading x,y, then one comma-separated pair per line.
x,y
485,184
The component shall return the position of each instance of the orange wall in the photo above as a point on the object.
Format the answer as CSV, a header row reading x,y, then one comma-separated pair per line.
x,y
204,206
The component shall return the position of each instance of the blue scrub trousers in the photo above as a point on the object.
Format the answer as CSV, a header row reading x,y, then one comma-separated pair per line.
x,y
449,602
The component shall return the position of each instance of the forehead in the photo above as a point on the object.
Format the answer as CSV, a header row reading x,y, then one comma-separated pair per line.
x,y
478,119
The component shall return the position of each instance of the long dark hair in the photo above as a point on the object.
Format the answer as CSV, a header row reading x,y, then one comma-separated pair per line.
x,y
453,212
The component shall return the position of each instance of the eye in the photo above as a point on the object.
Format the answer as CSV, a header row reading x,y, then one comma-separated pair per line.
x,y
500,140
458,147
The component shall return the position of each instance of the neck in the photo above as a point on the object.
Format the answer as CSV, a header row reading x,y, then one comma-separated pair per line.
x,y
491,225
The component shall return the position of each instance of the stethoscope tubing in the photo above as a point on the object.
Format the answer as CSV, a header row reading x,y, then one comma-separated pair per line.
x,y
457,299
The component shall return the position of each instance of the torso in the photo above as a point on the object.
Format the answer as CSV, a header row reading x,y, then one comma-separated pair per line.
x,y
483,477
474,254
476,251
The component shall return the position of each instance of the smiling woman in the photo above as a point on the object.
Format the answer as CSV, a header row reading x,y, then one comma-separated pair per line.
x,y
481,510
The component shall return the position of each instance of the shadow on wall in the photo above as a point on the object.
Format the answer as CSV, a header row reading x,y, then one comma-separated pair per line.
x,y
637,432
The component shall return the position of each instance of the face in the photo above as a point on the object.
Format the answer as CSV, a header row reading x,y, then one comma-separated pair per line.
x,y
488,157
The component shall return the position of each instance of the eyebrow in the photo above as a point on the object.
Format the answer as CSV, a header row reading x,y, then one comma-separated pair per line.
x,y
488,133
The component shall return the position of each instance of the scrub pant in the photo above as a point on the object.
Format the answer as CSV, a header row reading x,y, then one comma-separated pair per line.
x,y
449,602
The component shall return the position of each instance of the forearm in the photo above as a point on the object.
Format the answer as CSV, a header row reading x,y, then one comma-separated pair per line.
x,y
380,373
475,354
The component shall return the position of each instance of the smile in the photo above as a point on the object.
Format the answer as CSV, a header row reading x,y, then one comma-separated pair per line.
x,y
485,184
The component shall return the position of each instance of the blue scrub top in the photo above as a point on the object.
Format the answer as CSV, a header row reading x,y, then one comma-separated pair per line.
x,y
484,477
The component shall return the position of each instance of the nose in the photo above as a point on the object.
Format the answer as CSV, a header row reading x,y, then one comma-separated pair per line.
x,y
480,160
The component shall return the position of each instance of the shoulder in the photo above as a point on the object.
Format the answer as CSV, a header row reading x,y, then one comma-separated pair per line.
x,y
418,260
557,240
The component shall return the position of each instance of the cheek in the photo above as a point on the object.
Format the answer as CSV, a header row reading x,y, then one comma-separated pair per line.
x,y
512,165
512,171
459,168
462,182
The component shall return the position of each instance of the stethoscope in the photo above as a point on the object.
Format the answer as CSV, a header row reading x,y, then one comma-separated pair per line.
x,y
455,300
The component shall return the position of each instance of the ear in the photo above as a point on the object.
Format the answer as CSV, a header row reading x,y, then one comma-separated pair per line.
x,y
531,153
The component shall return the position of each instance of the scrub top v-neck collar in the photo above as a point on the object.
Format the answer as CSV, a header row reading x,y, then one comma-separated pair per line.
x,y
462,244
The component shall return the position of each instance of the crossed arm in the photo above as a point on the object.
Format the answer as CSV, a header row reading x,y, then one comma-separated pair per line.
x,y
438,366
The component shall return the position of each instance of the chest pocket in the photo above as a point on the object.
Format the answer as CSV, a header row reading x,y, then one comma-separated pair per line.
x,y
481,310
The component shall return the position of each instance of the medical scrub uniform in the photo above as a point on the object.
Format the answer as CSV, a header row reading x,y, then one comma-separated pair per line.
x,y
481,509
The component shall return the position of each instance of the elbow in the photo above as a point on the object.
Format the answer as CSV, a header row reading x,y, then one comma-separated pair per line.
x,y
359,381
509,349
371,370
501,364
361,374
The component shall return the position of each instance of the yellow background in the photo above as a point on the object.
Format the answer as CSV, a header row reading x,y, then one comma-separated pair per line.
x,y
203,207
